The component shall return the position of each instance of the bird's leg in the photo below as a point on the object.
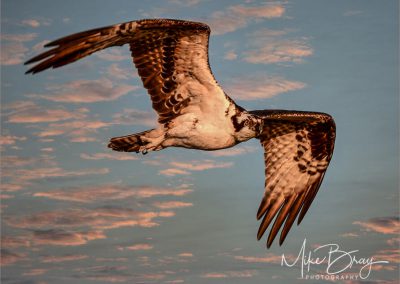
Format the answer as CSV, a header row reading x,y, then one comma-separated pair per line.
x,y
152,142
143,142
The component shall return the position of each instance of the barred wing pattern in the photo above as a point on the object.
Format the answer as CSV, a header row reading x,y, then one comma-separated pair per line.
x,y
171,57
298,148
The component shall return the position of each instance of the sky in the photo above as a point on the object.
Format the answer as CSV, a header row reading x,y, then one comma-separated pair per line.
x,y
73,211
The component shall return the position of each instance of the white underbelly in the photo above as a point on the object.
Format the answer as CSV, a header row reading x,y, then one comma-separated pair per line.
x,y
202,133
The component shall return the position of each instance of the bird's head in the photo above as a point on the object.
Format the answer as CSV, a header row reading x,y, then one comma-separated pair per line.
x,y
246,126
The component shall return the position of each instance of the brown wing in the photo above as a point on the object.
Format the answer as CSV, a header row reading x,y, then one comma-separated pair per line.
x,y
298,147
171,57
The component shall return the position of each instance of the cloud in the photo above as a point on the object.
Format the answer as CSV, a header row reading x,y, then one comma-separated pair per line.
x,y
383,225
186,254
131,116
52,172
184,168
349,235
117,72
35,272
394,242
201,165
230,55
173,172
172,204
8,257
98,219
391,255
238,150
59,237
230,274
13,50
109,156
269,258
269,46
352,13
35,23
239,16
91,194
24,112
15,242
85,91
108,278
113,54
261,87
64,258
10,187
279,51
188,3
31,23
10,139
18,37
136,247
76,130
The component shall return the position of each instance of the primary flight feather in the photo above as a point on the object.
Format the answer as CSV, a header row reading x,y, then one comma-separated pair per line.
x,y
194,112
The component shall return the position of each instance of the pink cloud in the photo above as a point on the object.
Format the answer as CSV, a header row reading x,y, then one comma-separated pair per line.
x,y
113,54
136,247
53,172
253,259
31,113
173,172
64,258
172,204
394,242
383,225
201,165
349,235
135,117
184,168
115,71
230,274
391,255
90,194
35,23
108,278
238,150
85,91
109,156
98,219
186,254
18,37
8,257
35,272
262,87
278,51
76,131
230,55
31,23
266,11
239,16
10,139
58,237
13,50
15,242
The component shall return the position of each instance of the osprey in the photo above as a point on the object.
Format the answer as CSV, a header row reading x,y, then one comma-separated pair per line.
x,y
194,112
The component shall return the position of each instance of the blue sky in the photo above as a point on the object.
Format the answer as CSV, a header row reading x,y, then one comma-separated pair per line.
x,y
75,212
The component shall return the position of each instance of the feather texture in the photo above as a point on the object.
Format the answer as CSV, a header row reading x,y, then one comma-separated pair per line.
x,y
298,147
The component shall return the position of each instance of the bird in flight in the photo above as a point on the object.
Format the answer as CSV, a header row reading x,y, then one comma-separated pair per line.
x,y
194,112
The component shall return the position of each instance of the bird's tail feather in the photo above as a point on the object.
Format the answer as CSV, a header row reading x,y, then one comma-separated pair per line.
x,y
128,143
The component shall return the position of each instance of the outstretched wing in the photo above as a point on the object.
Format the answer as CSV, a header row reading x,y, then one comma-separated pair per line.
x,y
298,147
171,57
